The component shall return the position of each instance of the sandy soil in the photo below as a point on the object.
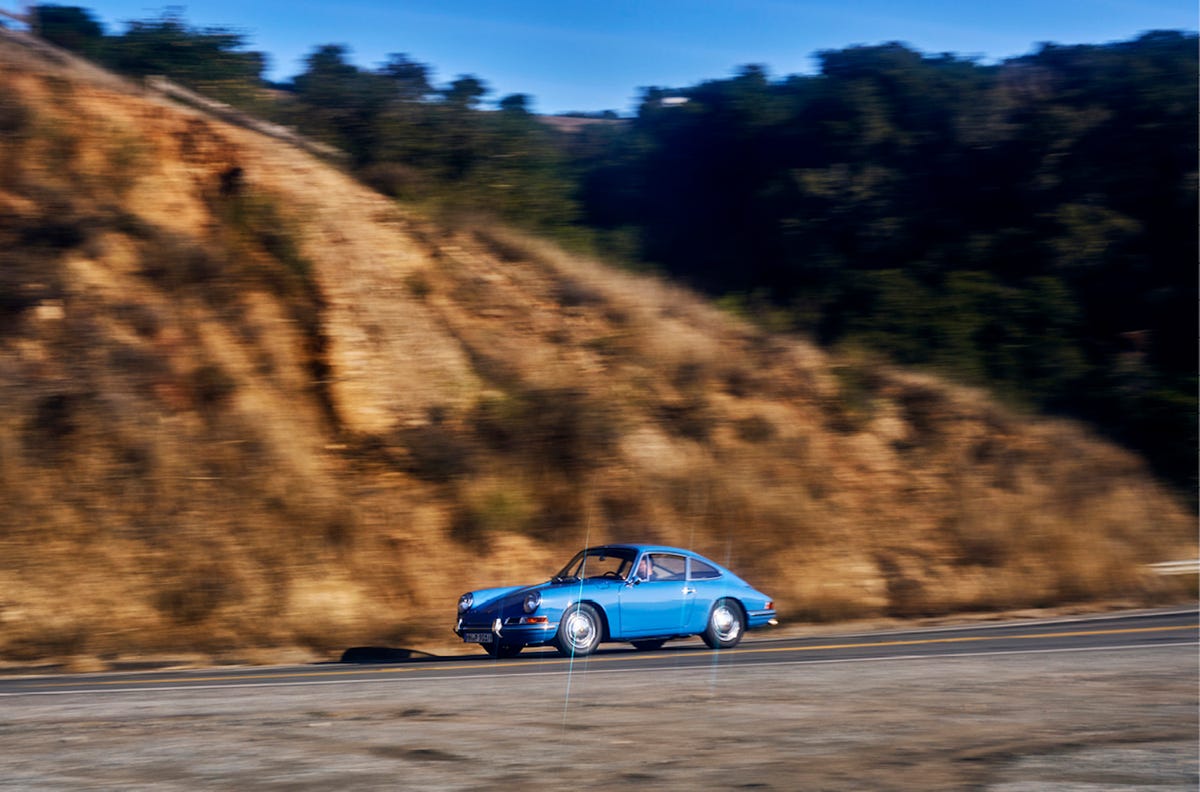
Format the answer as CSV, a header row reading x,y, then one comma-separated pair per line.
x,y
1079,721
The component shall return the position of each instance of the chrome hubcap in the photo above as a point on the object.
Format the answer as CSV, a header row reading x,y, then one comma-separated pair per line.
x,y
726,623
580,629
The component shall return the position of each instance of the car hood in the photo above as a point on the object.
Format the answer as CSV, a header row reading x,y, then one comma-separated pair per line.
x,y
484,597
492,601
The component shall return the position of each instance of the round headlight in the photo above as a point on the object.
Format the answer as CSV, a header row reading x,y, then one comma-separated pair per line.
x,y
465,602
532,600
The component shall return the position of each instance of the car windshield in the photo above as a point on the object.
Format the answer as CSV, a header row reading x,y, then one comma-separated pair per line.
x,y
598,562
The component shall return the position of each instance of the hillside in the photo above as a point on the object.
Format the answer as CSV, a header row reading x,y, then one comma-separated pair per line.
x,y
248,405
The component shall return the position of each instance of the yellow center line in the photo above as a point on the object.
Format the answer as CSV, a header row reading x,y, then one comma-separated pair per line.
x,y
531,663
970,639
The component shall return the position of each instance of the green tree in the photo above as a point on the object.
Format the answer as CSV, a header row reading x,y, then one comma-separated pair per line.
x,y
465,93
341,103
212,60
69,27
409,79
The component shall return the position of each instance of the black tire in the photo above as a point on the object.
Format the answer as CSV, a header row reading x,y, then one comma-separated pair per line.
x,y
726,623
648,646
579,632
503,650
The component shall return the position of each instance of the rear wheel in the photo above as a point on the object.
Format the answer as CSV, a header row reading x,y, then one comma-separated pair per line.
x,y
725,625
579,632
648,646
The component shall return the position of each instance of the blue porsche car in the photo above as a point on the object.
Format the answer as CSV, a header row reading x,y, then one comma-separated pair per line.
x,y
643,594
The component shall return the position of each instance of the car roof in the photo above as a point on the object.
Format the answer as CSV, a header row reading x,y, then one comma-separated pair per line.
x,y
646,548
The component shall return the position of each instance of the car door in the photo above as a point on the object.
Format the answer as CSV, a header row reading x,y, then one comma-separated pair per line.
x,y
658,603
705,586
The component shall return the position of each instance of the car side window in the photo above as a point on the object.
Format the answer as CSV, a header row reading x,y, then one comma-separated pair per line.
x,y
703,571
665,566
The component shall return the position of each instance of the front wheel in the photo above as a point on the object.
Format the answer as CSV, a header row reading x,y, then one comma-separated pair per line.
x,y
579,631
725,625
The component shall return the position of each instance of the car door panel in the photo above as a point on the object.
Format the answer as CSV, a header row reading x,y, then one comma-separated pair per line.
x,y
657,606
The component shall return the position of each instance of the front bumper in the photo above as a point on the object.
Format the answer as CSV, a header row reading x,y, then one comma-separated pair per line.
x,y
523,630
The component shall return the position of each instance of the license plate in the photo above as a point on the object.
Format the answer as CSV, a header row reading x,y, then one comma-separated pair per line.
x,y
477,637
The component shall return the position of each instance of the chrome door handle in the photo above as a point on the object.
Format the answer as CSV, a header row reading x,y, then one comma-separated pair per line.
x,y
689,590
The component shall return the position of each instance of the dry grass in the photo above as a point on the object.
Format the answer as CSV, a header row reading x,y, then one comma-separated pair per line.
x,y
277,410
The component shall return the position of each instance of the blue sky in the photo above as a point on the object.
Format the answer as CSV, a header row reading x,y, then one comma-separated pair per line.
x,y
598,54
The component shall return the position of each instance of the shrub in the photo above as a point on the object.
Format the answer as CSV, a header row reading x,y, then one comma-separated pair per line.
x,y
438,453
924,408
418,285
494,508
26,278
573,293
555,428
567,429
395,179
175,263
258,218
755,429
497,421
15,116
854,405
55,419
690,418
212,386
192,596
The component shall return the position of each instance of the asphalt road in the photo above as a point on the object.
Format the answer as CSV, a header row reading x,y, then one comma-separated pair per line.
x,y
1114,631
1068,705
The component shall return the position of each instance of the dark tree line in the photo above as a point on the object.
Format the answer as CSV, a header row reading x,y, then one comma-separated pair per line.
x,y
1029,226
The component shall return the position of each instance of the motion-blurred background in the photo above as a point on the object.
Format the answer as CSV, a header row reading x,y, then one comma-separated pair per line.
x,y
290,364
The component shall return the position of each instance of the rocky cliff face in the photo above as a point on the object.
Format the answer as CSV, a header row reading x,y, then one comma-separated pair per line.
x,y
247,403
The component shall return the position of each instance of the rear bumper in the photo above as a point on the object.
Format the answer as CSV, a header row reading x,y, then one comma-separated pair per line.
x,y
764,618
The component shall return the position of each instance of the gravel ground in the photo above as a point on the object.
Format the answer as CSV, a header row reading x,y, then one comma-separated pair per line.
x,y
1067,722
